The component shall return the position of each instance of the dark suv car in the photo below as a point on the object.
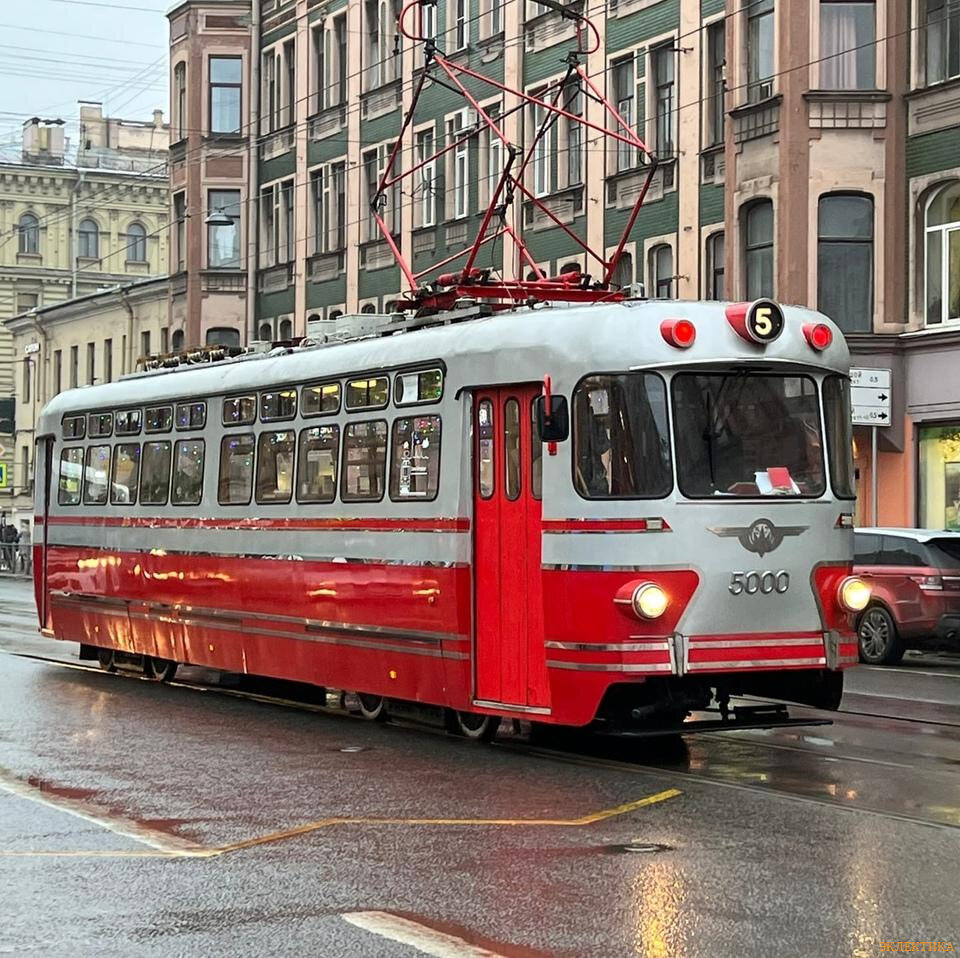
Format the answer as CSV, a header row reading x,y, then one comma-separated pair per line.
x,y
915,578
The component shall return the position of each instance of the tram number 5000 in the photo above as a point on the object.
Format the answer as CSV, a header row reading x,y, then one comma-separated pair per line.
x,y
750,583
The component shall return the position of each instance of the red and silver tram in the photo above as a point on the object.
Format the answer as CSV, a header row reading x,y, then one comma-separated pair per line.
x,y
617,512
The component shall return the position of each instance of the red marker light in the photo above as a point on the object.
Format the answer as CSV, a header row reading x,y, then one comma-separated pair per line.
x,y
678,332
818,335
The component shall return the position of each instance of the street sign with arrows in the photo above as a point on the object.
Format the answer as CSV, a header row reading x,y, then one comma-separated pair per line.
x,y
870,396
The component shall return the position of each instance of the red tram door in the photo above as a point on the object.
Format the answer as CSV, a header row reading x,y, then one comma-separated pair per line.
x,y
509,660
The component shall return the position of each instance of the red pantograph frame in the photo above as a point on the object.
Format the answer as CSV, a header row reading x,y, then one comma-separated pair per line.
x,y
475,282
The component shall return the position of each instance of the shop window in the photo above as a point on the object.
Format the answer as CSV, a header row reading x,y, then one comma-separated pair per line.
x,y
415,470
71,476
940,477
96,476
942,228
317,464
364,461
188,472
845,261
275,466
155,473
236,470
126,470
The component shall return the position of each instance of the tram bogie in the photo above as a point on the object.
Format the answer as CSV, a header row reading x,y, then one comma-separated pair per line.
x,y
619,513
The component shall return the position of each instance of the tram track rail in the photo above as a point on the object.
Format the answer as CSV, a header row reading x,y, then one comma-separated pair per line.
x,y
521,747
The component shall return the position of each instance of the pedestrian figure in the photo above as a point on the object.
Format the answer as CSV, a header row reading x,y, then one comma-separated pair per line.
x,y
26,549
8,536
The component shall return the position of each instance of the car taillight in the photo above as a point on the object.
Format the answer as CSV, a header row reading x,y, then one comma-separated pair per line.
x,y
929,583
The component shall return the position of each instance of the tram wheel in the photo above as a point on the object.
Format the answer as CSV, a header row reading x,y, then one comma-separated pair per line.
x,y
879,642
160,670
372,707
480,728
106,661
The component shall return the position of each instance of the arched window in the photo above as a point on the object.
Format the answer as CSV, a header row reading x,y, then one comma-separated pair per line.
x,y
223,336
571,268
336,314
661,271
136,243
266,332
286,329
28,232
88,240
845,260
623,274
758,249
368,308
177,341
716,254
942,227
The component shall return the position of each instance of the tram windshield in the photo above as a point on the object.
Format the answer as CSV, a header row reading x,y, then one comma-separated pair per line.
x,y
747,434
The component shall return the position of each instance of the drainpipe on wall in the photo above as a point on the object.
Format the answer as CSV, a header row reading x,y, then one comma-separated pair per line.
x,y
253,173
73,232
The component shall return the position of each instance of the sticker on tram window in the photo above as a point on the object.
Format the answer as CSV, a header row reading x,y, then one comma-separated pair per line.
x,y
764,321
370,393
191,415
71,476
100,425
415,469
317,464
74,427
320,400
158,419
127,422
423,386
279,404
239,410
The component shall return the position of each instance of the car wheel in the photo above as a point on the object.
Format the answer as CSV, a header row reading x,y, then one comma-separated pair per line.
x,y
879,642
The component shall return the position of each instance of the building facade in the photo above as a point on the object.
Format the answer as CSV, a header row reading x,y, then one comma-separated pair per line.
x,y
808,151
71,224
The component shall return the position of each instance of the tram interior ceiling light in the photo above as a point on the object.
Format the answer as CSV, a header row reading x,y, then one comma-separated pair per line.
x,y
818,335
853,594
649,601
678,332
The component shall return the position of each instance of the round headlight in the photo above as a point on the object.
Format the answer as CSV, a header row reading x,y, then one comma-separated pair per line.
x,y
853,594
649,601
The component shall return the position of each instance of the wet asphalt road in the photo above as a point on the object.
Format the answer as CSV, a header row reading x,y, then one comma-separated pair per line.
x,y
138,819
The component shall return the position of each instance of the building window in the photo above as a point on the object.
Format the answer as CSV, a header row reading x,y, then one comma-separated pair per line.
x,y
461,12
28,234
25,392
663,63
57,371
388,206
760,51
661,271
716,82
330,62
136,243
26,302
623,274
289,82
223,239
848,59
74,366
572,151
329,209
943,40
180,101
217,336
845,261
491,156
108,360
287,224
269,225
270,100
716,252
91,363
457,167
942,227
426,205
88,240
180,221
226,85
758,249
177,341
625,99
381,65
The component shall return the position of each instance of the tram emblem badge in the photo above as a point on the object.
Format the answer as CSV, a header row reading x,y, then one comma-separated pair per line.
x,y
761,536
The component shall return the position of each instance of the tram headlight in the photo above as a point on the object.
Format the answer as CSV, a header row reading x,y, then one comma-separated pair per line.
x,y
853,594
649,601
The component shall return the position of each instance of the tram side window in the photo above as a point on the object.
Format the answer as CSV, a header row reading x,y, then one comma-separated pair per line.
x,y
191,415
71,476
364,461
187,472
277,405
239,411
74,427
275,452
836,409
425,386
536,454
155,474
320,400
370,393
96,475
126,470
415,469
511,448
621,445
159,419
485,465
101,425
235,484
317,464
127,422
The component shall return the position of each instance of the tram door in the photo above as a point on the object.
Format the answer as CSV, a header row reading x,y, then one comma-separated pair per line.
x,y
509,657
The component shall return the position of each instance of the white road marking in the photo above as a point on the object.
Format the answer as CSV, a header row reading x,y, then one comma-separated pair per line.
x,y
890,668
427,940
126,827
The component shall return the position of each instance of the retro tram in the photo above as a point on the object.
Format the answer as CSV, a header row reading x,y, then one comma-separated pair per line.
x,y
613,513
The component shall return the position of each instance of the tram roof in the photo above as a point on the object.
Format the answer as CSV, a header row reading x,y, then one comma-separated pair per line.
x,y
521,345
